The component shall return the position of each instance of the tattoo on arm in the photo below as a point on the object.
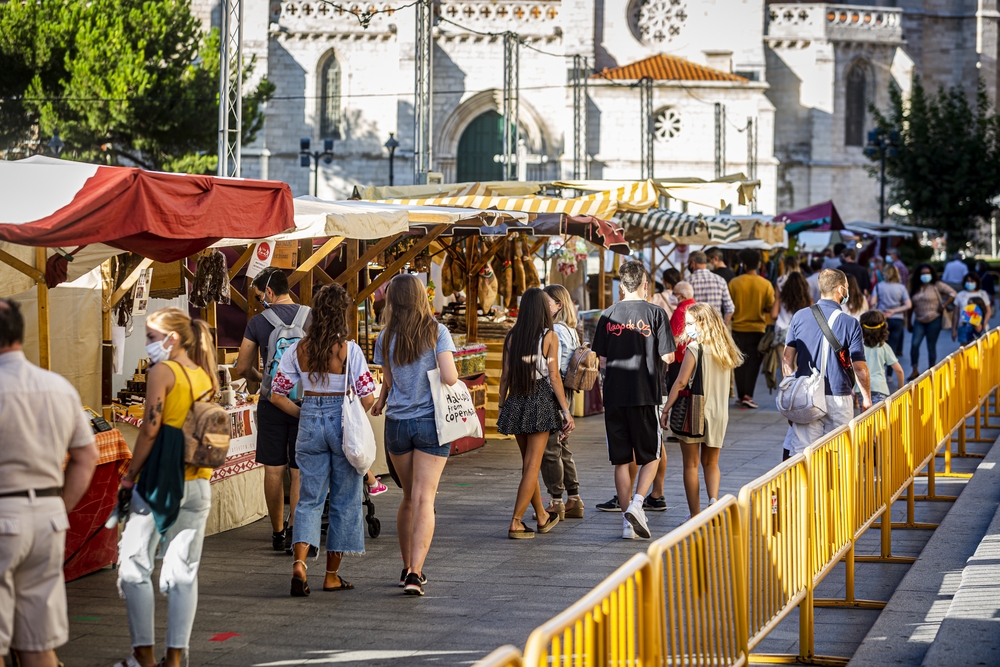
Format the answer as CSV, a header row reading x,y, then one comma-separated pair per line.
x,y
157,410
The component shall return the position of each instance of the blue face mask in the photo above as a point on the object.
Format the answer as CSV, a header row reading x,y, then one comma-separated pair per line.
x,y
925,278
970,286
263,300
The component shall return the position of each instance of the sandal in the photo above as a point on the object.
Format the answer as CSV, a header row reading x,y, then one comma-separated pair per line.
x,y
524,534
300,588
344,585
550,524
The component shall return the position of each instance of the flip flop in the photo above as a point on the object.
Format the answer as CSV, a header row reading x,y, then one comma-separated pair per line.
x,y
550,524
344,585
523,534
300,588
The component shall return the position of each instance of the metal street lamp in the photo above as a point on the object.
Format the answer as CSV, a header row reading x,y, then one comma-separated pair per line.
x,y
309,158
56,144
392,145
881,144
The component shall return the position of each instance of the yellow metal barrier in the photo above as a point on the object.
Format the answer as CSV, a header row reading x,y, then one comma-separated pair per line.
x,y
830,465
505,656
700,596
774,510
614,624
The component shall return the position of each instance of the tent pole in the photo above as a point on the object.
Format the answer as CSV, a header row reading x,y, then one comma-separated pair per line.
x,y
352,290
472,291
107,345
602,278
44,342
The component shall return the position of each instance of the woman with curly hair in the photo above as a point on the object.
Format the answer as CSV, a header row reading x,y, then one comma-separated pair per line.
x,y
712,347
878,355
321,361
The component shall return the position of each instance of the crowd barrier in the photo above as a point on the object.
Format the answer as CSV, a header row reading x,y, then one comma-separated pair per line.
x,y
710,591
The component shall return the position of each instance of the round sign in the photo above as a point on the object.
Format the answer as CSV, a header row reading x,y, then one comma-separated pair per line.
x,y
263,252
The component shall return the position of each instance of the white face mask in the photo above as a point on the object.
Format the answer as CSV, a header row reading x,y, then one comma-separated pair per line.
x,y
691,331
158,352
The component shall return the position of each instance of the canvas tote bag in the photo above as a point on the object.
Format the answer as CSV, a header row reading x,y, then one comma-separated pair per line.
x,y
454,412
359,438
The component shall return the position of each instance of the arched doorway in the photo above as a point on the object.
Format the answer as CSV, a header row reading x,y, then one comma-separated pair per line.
x,y
481,140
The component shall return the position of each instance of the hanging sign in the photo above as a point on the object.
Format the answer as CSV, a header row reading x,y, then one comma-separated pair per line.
x,y
262,256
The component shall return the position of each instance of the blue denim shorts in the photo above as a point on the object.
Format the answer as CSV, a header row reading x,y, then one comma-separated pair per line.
x,y
402,437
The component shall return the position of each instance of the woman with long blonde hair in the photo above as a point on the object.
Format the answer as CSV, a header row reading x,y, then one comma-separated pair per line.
x,y
712,348
411,344
169,500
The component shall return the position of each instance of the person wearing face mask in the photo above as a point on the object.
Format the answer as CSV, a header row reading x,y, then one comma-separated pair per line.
x,y
710,351
169,500
805,345
277,431
972,287
931,297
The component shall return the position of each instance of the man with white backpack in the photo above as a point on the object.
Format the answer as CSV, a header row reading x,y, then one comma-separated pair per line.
x,y
271,332
824,351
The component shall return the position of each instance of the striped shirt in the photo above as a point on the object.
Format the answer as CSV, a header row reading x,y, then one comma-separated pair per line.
x,y
713,290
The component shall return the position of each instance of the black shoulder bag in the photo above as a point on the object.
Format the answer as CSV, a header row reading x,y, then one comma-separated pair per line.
x,y
842,353
687,417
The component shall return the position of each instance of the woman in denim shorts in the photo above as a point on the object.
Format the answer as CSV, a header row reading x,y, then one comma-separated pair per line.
x,y
411,344
318,361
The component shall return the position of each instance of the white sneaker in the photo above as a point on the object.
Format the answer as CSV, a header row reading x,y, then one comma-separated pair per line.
x,y
637,518
628,533
712,501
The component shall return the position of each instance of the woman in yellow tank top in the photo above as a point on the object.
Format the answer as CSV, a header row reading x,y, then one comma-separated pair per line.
x,y
170,500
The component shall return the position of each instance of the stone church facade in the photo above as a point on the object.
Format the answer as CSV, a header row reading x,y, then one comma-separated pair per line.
x,y
800,75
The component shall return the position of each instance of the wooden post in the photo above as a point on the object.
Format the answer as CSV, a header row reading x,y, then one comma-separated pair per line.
x,y
44,341
107,345
306,288
472,291
352,288
210,317
601,304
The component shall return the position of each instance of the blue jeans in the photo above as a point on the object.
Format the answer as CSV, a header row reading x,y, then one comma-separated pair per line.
x,y
319,451
402,437
929,330
895,341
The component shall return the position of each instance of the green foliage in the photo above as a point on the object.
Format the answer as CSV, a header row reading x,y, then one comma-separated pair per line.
x,y
123,81
946,170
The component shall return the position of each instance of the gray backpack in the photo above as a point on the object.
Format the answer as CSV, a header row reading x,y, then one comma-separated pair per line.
x,y
282,338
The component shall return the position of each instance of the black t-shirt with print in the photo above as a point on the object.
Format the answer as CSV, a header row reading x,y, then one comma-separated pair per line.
x,y
633,335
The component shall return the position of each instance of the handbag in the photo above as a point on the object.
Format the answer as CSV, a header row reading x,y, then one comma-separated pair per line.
x,y
802,399
359,437
454,412
206,431
687,416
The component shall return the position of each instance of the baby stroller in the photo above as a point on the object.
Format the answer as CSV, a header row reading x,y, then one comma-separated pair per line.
x,y
374,525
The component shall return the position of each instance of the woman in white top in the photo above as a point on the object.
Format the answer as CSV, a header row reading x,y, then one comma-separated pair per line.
x,y
665,299
558,466
972,287
530,391
321,361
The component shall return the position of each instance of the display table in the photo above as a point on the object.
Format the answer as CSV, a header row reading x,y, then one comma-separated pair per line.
x,y
238,485
89,545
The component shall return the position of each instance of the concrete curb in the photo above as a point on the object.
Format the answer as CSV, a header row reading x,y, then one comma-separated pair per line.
x,y
911,622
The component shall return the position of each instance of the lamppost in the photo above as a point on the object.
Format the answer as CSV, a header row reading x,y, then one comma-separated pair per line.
x,y
307,158
56,144
392,145
881,144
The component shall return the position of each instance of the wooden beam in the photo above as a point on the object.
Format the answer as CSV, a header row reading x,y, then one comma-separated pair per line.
x,y
44,339
306,247
353,268
128,283
317,257
602,273
537,245
352,286
237,299
487,254
107,345
23,267
472,291
394,268
242,261
321,276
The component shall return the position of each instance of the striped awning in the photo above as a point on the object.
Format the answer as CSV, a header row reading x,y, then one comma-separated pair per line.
x,y
600,208
684,227
637,196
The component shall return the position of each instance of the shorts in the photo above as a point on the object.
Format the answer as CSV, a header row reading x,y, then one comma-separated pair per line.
x,y
632,433
32,593
403,437
276,435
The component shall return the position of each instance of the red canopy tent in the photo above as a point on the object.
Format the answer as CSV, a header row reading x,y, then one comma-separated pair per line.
x,y
818,217
164,217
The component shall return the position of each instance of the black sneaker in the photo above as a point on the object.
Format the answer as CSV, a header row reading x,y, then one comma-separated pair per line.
x,y
278,540
651,504
414,584
288,539
610,506
402,578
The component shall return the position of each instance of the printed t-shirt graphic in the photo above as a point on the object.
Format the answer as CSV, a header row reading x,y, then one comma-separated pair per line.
x,y
633,336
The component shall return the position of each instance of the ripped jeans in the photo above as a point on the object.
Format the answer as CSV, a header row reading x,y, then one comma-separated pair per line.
x,y
181,553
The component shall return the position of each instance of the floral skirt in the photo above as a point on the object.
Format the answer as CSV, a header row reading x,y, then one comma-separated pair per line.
x,y
535,413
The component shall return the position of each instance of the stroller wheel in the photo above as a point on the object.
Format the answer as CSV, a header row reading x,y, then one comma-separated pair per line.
x,y
374,527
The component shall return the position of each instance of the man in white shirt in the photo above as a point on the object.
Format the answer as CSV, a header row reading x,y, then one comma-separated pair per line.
x,y
41,417
954,272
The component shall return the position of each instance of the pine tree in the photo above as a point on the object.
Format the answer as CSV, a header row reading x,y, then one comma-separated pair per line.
x,y
945,169
130,82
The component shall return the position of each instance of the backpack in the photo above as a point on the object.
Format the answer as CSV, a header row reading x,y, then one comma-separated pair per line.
x,y
281,338
802,400
583,369
206,431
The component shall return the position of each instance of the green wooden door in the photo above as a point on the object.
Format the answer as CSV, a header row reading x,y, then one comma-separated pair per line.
x,y
480,141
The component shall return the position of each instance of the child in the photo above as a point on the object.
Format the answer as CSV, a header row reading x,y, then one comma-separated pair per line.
x,y
971,322
879,356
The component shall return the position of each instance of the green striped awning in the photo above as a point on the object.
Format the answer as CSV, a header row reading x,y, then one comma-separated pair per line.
x,y
678,225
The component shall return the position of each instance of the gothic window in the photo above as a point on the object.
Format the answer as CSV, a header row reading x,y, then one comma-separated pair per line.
x,y
666,124
856,104
656,22
330,98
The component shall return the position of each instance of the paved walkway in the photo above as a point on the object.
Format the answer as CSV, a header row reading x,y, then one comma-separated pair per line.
x,y
484,590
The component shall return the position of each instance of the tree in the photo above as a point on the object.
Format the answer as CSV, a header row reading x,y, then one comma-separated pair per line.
x,y
946,167
124,81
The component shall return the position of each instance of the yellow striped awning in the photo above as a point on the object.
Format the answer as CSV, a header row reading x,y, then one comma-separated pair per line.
x,y
637,197
602,208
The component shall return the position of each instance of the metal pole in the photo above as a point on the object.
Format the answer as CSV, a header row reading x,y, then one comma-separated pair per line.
x,y
315,159
231,89
392,154
881,205
424,79
580,67
511,84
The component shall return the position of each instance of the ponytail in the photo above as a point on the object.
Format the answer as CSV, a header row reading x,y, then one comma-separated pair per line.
x,y
203,351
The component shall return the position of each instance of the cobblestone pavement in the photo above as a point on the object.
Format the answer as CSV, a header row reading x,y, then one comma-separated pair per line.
x,y
484,590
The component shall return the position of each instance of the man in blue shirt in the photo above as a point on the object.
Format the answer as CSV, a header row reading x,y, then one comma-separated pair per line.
x,y
803,346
